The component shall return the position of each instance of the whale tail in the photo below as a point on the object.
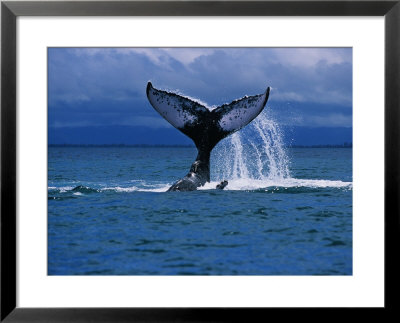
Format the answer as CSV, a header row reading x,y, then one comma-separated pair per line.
x,y
206,128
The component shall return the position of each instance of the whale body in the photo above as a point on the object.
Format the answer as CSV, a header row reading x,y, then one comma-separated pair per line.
x,y
206,128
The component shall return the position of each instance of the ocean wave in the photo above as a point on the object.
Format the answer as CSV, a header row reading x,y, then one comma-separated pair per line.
x,y
61,189
148,188
241,184
80,189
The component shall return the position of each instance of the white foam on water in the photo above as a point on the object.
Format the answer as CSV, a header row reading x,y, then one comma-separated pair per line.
x,y
243,184
62,189
148,188
145,187
120,189
238,184
157,190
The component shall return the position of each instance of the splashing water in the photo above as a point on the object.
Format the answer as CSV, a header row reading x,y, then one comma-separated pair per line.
x,y
256,153
256,158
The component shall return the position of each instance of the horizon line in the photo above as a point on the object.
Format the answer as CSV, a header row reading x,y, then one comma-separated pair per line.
x,y
344,145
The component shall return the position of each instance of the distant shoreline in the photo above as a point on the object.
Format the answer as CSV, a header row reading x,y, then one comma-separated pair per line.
x,y
345,145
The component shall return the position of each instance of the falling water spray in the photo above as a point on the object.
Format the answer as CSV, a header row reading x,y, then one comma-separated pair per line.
x,y
256,152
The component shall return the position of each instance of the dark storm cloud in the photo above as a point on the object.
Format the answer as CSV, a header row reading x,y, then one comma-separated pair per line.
x,y
100,86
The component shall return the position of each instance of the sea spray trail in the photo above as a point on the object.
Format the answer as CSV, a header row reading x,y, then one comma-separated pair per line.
x,y
256,152
273,145
239,169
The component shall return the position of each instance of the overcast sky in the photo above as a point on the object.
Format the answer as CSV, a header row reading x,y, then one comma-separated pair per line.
x,y
107,86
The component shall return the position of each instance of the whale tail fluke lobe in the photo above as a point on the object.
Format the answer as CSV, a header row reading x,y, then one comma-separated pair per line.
x,y
206,128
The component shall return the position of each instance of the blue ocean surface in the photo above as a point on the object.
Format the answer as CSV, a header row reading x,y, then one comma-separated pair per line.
x,y
283,212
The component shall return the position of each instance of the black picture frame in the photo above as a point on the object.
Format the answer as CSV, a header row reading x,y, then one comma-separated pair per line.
x,y
10,10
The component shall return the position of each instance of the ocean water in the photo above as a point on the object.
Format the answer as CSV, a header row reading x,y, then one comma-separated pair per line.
x,y
285,211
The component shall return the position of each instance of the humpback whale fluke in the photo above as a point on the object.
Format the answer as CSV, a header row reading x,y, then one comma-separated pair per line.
x,y
206,128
